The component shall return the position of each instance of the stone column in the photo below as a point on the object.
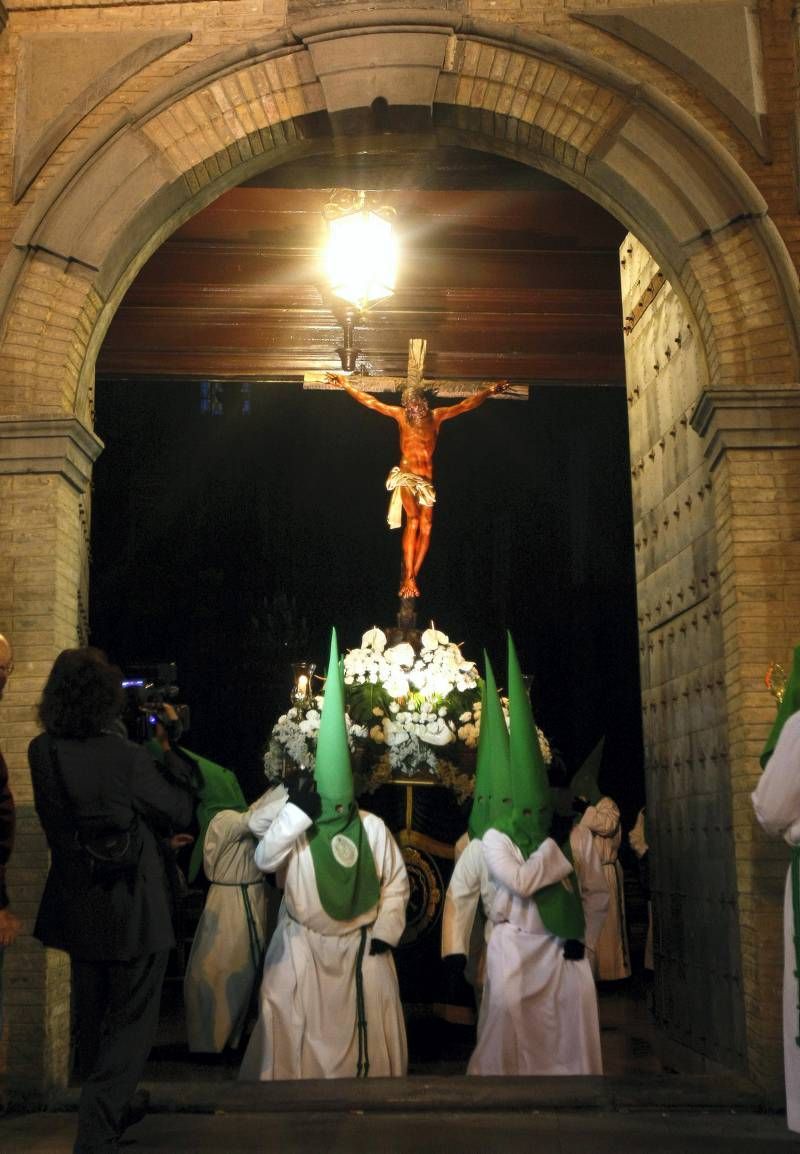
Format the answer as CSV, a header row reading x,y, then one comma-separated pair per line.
x,y
752,447
45,474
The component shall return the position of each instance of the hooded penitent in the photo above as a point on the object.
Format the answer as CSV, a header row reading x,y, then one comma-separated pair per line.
x,y
559,905
492,769
790,703
220,791
584,783
344,867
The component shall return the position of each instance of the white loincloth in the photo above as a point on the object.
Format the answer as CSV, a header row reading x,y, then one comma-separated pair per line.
x,y
420,488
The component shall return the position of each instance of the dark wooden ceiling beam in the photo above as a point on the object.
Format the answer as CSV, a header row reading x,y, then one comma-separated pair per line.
x,y
506,271
533,369
493,269
278,299
275,301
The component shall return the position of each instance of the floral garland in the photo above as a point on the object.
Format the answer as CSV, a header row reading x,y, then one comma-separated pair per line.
x,y
403,710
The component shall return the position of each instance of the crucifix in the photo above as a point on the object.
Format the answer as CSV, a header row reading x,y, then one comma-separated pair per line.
x,y
411,482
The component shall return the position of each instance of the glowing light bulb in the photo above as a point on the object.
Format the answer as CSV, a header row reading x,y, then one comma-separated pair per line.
x,y
361,257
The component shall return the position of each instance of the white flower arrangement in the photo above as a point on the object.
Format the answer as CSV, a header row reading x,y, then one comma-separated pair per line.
x,y
403,710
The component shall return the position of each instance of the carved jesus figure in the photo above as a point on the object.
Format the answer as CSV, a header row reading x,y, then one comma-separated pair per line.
x,y
411,482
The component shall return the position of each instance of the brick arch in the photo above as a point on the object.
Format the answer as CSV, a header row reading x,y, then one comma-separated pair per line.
x,y
525,96
479,85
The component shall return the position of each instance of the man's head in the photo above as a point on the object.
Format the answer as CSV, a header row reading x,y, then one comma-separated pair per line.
x,y
6,662
415,403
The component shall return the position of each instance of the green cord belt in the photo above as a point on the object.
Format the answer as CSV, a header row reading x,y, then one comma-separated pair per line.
x,y
795,868
256,945
362,1069
237,885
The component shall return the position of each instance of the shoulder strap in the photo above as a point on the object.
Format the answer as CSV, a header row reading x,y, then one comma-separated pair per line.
x,y
59,776
62,799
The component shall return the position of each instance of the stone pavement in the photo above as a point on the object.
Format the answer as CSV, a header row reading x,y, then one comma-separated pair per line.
x,y
644,1103
677,1115
546,1132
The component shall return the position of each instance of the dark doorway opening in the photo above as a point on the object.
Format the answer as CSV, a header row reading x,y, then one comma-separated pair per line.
x,y
224,542
233,524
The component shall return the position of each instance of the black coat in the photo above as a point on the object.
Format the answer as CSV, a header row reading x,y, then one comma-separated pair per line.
x,y
103,780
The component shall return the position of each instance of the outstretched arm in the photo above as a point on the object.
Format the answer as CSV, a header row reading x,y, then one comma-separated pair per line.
x,y
363,398
447,412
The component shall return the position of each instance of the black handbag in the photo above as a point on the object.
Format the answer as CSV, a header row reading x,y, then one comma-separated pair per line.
x,y
112,854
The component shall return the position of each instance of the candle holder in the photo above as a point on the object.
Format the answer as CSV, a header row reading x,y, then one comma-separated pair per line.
x,y
302,695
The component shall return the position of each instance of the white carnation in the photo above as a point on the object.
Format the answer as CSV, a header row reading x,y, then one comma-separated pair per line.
x,y
402,655
396,684
393,734
437,733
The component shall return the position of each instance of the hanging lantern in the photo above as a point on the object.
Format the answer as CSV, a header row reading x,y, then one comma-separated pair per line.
x,y
361,255
302,694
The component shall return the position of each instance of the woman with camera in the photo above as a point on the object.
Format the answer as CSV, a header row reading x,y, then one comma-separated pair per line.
x,y
105,901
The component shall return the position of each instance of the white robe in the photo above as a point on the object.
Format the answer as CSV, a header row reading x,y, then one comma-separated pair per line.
x,y
225,959
471,892
469,897
776,801
539,1011
613,957
595,896
307,1023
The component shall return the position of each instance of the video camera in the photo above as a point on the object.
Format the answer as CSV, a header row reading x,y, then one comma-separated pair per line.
x,y
148,688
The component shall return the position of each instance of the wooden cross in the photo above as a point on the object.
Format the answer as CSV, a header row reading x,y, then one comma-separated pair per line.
x,y
381,383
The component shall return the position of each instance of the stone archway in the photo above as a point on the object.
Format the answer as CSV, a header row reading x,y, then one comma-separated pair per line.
x,y
532,99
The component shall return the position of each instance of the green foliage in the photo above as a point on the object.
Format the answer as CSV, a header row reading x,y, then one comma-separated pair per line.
x,y
362,700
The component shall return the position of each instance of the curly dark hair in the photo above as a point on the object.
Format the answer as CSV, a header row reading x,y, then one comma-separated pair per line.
x,y
82,695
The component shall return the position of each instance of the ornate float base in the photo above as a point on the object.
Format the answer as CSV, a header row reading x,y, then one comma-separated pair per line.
x,y
426,819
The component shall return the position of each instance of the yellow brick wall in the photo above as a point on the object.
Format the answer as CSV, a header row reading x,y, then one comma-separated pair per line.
x,y
698,522
42,556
